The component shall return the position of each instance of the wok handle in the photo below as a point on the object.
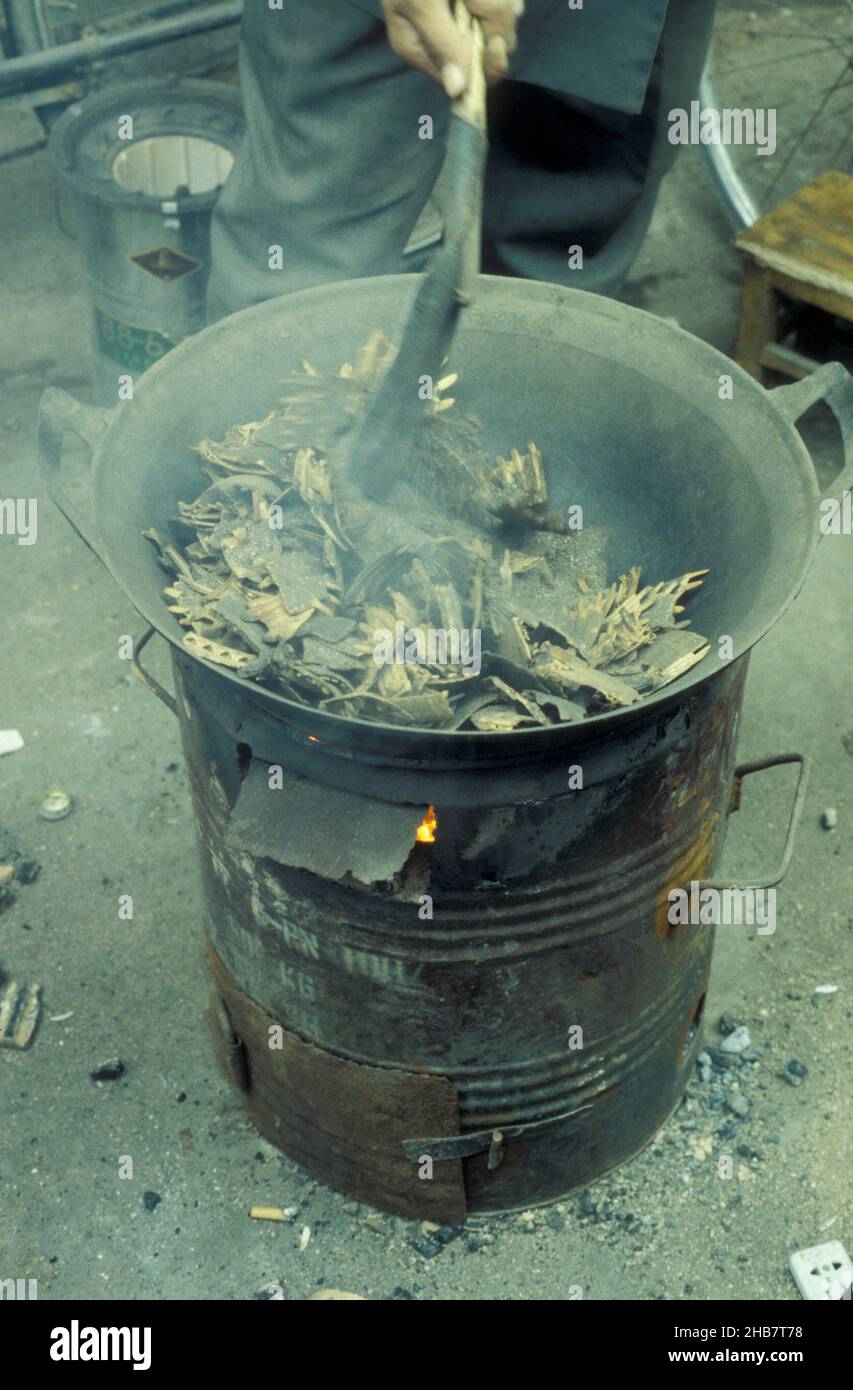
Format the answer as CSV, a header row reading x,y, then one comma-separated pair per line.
x,y
58,413
149,681
833,384
746,770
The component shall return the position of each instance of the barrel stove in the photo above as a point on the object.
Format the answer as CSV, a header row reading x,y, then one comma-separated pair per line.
x,y
450,990
446,979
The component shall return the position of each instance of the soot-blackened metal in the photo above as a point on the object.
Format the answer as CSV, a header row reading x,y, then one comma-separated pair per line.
x,y
451,988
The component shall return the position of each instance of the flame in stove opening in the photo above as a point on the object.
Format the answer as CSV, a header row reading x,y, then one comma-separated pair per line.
x,y
427,828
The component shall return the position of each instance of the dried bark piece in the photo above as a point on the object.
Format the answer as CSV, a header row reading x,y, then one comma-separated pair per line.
x,y
515,487
495,719
268,608
216,652
569,672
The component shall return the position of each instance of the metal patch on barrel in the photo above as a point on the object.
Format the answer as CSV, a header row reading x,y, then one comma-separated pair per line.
x,y
344,1121
166,264
333,833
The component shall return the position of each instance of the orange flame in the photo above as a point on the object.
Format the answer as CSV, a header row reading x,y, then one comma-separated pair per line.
x,y
427,828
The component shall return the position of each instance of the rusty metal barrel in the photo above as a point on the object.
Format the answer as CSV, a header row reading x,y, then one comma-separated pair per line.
x,y
476,1021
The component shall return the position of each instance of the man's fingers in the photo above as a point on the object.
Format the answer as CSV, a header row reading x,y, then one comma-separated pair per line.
x,y
495,58
498,18
423,33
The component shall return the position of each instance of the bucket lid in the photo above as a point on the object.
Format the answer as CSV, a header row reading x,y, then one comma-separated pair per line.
x,y
144,144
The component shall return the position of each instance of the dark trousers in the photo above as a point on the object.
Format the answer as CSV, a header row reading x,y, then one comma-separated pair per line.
x,y
333,169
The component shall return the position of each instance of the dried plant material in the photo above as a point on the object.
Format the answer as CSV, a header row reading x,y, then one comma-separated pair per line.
x,y
215,651
454,604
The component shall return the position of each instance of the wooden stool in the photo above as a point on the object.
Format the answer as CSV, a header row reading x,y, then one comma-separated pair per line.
x,y
803,249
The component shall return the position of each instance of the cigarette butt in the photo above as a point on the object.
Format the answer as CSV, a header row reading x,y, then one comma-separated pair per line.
x,y
266,1213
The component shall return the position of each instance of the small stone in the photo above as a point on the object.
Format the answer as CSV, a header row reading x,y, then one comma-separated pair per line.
x,y
587,1205
795,1072
752,1054
703,1060
445,1234
720,1059
829,818
726,1024
736,1041
738,1105
555,1221
28,871
746,1152
108,1071
150,1200
7,873
428,1248
55,805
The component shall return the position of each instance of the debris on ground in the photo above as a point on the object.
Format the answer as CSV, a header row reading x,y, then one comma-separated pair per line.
x,y
15,869
267,1213
285,573
10,741
55,805
823,1272
110,1070
20,1010
736,1041
304,1238
829,818
273,1293
150,1200
795,1072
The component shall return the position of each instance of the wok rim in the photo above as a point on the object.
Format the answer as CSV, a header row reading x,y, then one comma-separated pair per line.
x,y
310,720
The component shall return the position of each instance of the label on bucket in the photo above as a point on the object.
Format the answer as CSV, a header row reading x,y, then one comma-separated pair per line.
x,y
166,264
129,344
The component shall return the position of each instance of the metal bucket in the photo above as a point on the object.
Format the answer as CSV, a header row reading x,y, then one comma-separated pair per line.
x,y
143,164
426,1063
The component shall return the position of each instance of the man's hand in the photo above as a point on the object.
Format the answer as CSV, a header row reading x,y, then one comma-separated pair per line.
x,y
424,35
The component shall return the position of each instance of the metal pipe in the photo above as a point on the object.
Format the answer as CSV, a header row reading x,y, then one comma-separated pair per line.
x,y
19,74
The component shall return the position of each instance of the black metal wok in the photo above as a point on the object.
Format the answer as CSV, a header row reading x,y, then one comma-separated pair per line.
x,y
626,409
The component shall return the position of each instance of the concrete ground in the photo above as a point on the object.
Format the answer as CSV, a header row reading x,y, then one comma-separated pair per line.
x,y
664,1226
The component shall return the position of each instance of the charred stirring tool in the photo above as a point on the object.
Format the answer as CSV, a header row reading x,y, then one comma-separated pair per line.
x,y
393,413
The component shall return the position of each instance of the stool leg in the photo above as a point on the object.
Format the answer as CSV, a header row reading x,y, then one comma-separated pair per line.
x,y
758,318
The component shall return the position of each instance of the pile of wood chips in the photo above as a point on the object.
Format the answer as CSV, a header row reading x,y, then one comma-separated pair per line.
x,y
285,572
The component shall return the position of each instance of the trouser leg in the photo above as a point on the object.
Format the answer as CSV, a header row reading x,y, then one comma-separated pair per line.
x,y
333,168
564,173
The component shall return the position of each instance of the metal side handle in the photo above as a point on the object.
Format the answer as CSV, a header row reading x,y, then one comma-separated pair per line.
x,y
150,682
833,384
746,770
60,412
